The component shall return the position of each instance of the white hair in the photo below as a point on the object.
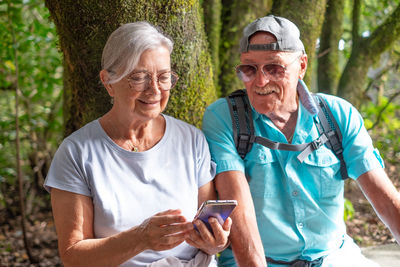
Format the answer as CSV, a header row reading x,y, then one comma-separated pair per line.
x,y
125,46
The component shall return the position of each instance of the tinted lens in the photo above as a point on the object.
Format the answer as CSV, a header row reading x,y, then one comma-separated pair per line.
x,y
274,72
246,72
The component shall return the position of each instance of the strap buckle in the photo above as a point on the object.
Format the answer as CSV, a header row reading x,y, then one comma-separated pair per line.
x,y
243,144
317,143
243,140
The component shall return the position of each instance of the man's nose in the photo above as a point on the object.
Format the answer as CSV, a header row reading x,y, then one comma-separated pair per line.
x,y
261,79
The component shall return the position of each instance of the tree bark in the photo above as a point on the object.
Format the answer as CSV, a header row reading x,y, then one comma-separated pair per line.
x,y
212,24
236,14
365,53
309,17
83,28
328,56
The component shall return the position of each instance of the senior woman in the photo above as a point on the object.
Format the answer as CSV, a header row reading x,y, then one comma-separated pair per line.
x,y
125,187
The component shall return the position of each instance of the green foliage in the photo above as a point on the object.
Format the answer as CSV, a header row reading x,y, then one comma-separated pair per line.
x,y
373,13
30,61
348,210
383,122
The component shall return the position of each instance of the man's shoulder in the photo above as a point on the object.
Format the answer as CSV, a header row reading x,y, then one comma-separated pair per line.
x,y
334,100
218,110
337,104
219,104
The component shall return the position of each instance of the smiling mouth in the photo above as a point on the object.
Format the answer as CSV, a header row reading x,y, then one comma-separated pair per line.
x,y
266,92
149,102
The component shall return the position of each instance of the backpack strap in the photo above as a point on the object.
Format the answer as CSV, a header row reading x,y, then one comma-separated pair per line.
x,y
243,130
242,121
328,125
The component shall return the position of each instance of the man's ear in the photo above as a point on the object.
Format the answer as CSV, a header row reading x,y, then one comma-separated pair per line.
x,y
104,77
303,66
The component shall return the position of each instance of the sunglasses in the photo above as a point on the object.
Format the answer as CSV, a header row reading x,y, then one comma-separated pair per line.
x,y
273,72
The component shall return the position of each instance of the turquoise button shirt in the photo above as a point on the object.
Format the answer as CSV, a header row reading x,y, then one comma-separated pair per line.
x,y
299,206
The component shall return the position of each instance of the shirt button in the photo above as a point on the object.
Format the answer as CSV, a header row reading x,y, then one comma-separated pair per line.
x,y
301,225
295,193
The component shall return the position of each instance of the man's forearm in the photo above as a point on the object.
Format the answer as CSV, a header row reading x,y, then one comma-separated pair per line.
x,y
246,242
245,238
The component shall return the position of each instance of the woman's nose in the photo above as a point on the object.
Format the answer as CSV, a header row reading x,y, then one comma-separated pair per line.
x,y
153,86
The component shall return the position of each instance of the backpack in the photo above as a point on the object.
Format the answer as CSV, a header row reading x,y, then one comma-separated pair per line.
x,y
243,130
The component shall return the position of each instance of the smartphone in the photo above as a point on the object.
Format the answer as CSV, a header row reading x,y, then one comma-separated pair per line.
x,y
219,209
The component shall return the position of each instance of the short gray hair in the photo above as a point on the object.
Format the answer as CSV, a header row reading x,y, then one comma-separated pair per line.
x,y
126,44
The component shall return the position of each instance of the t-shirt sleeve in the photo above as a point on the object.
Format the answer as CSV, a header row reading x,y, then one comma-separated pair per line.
x,y
66,171
358,149
217,127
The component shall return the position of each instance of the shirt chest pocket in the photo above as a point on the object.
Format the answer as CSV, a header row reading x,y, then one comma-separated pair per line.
x,y
323,167
263,171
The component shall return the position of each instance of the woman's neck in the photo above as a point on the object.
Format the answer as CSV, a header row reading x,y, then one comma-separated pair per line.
x,y
133,135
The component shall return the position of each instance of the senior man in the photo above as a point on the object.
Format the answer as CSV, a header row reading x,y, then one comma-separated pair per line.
x,y
290,187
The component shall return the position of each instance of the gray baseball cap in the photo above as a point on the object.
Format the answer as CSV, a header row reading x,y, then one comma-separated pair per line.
x,y
286,33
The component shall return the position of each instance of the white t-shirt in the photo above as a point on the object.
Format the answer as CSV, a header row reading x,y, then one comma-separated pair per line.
x,y
129,187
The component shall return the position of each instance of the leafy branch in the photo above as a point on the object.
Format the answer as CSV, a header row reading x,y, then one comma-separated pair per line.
x,y
378,119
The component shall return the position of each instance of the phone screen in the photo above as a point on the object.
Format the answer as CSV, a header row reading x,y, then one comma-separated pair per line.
x,y
219,209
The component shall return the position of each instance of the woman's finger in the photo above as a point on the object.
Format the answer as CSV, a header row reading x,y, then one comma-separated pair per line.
x,y
227,224
168,242
219,234
169,212
176,228
204,233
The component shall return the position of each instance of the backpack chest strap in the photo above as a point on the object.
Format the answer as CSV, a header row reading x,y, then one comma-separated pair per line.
x,y
306,148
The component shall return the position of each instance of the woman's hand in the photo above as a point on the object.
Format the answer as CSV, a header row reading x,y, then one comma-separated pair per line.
x,y
210,243
164,230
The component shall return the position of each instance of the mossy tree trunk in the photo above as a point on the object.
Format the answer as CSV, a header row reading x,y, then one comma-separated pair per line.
x,y
236,14
83,28
365,53
212,23
328,56
309,17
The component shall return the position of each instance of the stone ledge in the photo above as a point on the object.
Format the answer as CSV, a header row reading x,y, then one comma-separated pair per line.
x,y
385,255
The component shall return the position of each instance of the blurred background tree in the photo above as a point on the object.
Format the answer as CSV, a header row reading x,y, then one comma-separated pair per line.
x,y
40,84
353,48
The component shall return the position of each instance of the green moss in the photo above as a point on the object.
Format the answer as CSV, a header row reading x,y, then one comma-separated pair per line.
x,y
83,28
236,15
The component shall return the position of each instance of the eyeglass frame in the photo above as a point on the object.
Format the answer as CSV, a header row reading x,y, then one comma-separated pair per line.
x,y
151,78
262,71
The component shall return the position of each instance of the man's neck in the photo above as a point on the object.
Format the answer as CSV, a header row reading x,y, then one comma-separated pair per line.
x,y
285,120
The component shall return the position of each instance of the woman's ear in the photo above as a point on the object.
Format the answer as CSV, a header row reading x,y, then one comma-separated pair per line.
x,y
104,77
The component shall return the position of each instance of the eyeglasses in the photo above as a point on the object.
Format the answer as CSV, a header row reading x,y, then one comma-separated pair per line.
x,y
274,72
139,81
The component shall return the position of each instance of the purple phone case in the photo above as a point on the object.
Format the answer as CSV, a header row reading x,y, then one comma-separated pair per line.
x,y
219,210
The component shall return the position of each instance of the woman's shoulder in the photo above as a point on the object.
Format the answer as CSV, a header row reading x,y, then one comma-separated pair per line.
x,y
187,133
180,124
84,135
